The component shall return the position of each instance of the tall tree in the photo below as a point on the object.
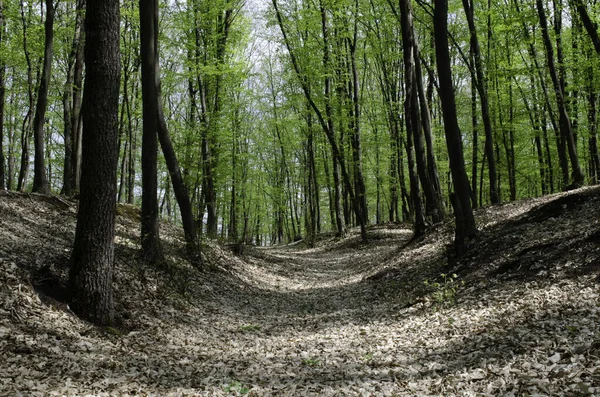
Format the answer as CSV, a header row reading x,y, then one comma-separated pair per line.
x,y
90,277
559,89
27,120
151,250
70,108
483,95
590,26
414,144
463,212
40,182
2,99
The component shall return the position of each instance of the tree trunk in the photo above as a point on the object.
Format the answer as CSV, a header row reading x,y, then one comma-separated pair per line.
x,y
589,25
40,181
90,277
76,118
464,217
27,120
564,121
179,188
483,96
151,250
2,99
325,121
475,143
67,188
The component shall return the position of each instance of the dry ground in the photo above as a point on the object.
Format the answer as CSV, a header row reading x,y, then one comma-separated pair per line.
x,y
518,314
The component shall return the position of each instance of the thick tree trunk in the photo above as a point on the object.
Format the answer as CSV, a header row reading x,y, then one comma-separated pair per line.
x,y
40,181
464,217
90,277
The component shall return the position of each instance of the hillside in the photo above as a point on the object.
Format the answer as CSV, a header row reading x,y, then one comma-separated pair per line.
x,y
517,314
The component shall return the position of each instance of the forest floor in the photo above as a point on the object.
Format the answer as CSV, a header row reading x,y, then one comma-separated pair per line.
x,y
518,314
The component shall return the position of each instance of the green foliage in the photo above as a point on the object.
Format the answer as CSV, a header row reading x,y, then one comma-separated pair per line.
x,y
311,362
250,328
236,387
444,291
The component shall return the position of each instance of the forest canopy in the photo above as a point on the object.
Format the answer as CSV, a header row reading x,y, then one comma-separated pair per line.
x,y
288,119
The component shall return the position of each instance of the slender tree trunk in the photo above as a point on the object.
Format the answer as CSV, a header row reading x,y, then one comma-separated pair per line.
x,y
67,98
151,250
359,180
413,120
483,96
432,170
589,25
27,121
565,123
179,188
2,101
326,123
475,144
76,117
40,181
11,144
462,204
90,277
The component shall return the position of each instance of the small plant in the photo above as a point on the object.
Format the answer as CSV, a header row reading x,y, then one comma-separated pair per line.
x,y
236,386
311,362
250,328
444,292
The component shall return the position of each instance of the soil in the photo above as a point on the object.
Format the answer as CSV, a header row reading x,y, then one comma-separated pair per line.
x,y
518,313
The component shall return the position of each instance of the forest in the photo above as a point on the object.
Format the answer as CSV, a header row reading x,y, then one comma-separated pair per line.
x,y
318,147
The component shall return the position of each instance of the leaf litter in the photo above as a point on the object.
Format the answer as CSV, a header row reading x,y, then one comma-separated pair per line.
x,y
521,317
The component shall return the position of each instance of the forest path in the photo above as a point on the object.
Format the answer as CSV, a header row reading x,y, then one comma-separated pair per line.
x,y
324,279
342,319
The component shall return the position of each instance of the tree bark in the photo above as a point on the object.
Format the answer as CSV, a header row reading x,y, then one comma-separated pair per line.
x,y
90,277
483,96
27,120
590,26
464,217
40,181
151,249
68,105
564,121
2,101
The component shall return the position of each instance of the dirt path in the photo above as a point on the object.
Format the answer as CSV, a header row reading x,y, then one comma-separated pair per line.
x,y
342,319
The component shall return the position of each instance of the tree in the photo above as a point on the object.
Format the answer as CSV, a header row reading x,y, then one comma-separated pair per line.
x,y
2,99
589,25
90,277
463,212
483,95
151,250
154,124
40,182
559,89
72,103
